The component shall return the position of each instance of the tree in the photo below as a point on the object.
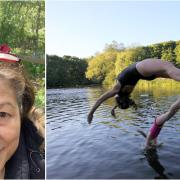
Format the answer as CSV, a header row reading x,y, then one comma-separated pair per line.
x,y
114,46
177,53
101,65
22,25
66,71
167,52
156,50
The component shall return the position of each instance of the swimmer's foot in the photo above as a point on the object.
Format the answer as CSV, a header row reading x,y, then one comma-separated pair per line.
x,y
153,146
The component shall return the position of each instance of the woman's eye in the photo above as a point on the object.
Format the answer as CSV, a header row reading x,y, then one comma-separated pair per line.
x,y
4,115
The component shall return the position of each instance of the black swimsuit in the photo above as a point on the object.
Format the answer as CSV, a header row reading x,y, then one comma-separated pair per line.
x,y
130,76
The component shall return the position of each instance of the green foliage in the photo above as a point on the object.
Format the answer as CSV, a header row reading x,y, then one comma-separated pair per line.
x,y
110,77
102,68
124,58
177,53
22,27
114,46
36,71
167,52
66,71
40,93
156,50
101,65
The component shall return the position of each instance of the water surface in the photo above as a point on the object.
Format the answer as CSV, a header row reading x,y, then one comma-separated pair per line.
x,y
109,147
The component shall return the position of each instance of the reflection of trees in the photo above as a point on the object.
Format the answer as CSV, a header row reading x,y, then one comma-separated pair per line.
x,y
153,160
159,87
150,93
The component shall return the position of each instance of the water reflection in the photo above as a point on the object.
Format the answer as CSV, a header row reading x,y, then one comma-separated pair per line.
x,y
109,147
153,160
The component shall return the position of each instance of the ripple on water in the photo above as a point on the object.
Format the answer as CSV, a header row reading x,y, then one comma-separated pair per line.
x,y
109,147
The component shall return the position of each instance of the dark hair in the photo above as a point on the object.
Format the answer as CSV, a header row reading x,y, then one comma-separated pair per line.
x,y
125,102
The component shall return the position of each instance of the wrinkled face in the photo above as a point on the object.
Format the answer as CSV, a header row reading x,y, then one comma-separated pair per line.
x,y
9,123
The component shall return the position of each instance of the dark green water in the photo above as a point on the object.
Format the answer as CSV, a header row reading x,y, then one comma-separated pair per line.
x,y
109,147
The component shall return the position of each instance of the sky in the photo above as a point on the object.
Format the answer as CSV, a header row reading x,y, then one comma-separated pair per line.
x,y
82,28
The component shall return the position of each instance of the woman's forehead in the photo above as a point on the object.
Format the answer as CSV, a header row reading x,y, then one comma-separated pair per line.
x,y
7,94
7,104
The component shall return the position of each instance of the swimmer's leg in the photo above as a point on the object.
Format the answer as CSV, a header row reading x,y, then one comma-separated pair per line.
x,y
151,140
174,73
160,120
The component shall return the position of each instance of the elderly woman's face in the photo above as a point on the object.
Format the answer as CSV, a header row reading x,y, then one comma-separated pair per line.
x,y
9,123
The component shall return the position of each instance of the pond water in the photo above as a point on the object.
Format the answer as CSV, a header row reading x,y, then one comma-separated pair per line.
x,y
109,148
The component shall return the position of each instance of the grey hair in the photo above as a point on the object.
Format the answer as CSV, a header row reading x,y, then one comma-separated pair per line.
x,y
16,82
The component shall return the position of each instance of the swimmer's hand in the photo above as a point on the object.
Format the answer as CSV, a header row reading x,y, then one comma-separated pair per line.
x,y
90,117
113,112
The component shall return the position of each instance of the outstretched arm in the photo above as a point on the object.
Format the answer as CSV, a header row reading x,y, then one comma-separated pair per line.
x,y
104,97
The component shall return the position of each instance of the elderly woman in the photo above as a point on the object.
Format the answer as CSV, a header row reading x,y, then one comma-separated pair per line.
x,y
148,69
21,125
